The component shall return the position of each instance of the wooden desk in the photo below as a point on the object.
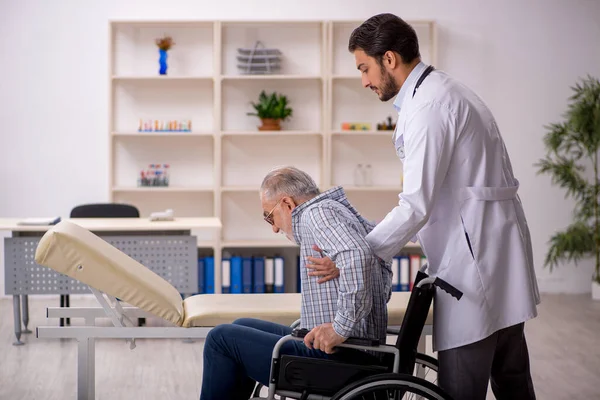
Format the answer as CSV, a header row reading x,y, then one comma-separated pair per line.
x,y
118,224
20,266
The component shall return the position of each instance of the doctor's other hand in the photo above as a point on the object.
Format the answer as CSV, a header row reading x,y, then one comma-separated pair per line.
x,y
324,338
323,267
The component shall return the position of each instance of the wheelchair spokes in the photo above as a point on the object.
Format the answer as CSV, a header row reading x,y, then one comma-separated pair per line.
x,y
391,387
426,367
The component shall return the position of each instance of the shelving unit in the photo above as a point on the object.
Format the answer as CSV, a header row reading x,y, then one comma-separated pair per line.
x,y
216,168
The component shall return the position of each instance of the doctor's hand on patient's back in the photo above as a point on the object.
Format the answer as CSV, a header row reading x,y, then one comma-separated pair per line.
x,y
322,266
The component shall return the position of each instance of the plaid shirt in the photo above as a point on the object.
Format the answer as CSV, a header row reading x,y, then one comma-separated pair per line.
x,y
356,302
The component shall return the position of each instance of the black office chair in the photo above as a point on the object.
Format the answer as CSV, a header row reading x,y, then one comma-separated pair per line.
x,y
105,210
100,210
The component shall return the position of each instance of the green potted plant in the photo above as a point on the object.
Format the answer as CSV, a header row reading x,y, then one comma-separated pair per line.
x,y
572,146
271,109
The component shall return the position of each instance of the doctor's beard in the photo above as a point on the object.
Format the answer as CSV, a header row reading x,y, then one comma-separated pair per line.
x,y
388,88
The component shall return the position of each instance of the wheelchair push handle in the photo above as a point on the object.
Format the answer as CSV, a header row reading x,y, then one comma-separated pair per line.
x,y
448,288
423,278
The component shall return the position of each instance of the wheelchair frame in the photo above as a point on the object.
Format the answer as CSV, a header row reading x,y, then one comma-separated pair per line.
x,y
408,341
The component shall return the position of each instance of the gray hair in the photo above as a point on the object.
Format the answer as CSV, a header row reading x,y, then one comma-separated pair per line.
x,y
288,181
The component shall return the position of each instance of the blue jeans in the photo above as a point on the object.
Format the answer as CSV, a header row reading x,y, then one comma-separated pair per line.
x,y
238,355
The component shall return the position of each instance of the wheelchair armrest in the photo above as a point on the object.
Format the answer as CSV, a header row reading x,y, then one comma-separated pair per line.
x,y
300,333
393,331
351,343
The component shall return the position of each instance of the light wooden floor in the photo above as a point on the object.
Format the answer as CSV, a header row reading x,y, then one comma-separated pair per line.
x,y
564,343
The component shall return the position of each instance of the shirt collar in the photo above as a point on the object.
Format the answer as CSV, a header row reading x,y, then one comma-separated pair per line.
x,y
335,193
409,84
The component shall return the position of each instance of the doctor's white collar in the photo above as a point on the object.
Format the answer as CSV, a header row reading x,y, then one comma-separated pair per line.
x,y
410,82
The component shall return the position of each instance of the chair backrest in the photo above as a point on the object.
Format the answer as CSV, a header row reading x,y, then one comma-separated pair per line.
x,y
413,323
105,210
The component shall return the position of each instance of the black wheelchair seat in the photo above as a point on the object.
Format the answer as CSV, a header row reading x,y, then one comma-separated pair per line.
x,y
321,376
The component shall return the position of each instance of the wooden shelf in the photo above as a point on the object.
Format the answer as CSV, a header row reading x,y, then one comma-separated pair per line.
x,y
240,188
163,134
270,77
373,188
160,189
257,243
282,132
344,76
363,133
157,78
206,243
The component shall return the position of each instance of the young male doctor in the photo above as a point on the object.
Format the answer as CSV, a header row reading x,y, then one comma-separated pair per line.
x,y
460,201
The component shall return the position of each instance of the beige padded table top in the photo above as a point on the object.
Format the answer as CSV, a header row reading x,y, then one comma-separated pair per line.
x,y
283,308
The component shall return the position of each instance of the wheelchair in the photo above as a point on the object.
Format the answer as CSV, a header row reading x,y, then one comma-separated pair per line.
x,y
401,374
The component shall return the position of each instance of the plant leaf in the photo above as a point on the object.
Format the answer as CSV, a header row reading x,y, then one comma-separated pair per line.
x,y
573,244
271,106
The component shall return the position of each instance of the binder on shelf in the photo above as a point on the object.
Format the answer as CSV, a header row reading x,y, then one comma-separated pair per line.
x,y
226,275
201,277
209,275
396,274
246,274
298,276
404,273
259,274
236,274
415,264
269,275
279,285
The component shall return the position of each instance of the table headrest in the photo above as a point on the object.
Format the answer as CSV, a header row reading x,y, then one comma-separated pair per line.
x,y
80,254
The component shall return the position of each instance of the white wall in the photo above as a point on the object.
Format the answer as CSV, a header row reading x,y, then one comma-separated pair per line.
x,y
520,56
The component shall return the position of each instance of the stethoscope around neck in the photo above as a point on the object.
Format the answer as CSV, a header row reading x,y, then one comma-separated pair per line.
x,y
422,78
427,71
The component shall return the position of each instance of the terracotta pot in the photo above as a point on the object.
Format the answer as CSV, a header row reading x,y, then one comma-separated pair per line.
x,y
270,124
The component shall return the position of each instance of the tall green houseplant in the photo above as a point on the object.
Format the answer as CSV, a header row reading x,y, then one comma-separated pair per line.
x,y
572,154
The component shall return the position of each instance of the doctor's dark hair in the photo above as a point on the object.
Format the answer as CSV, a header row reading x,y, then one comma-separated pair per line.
x,y
385,32
288,181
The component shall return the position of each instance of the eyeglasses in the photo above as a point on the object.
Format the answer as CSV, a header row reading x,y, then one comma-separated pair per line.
x,y
269,216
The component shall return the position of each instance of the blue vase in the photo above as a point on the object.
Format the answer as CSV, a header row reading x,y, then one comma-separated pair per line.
x,y
162,60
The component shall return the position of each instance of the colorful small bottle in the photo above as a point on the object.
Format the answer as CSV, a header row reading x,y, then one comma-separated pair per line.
x,y
167,174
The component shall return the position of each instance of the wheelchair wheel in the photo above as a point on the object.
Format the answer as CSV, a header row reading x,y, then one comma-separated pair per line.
x,y
391,386
426,367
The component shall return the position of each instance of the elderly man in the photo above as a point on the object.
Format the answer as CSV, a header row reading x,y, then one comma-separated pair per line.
x,y
355,304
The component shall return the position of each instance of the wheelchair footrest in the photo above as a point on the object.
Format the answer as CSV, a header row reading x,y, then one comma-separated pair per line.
x,y
320,376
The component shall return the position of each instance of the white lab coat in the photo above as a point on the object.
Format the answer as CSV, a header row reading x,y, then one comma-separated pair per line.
x,y
458,181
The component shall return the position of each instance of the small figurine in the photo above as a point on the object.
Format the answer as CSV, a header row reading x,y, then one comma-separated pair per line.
x,y
386,126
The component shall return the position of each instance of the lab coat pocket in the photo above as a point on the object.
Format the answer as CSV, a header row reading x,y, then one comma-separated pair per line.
x,y
487,214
